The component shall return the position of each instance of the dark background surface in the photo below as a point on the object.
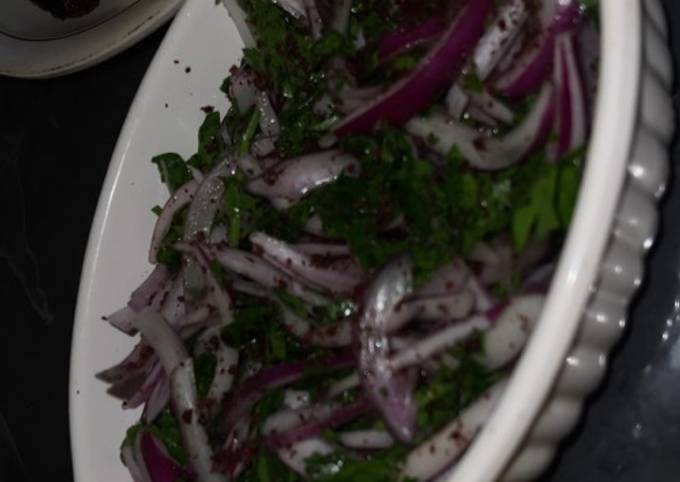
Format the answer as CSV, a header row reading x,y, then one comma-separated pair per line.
x,y
56,138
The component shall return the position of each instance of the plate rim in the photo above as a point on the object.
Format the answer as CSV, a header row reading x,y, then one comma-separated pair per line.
x,y
36,59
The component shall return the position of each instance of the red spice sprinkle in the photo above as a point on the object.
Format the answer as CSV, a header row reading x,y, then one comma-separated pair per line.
x,y
208,109
187,415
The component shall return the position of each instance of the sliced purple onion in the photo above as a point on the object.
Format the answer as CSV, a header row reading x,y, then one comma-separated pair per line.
x,y
296,455
437,342
255,268
572,111
226,362
162,338
351,99
207,201
294,178
242,89
134,461
532,66
366,439
492,106
447,307
154,377
157,401
499,38
348,383
480,116
435,73
199,220
136,363
262,146
159,464
154,283
249,166
389,390
505,339
240,20
194,437
215,290
449,279
176,361
457,101
269,121
177,201
122,320
490,153
295,399
255,387
439,452
314,272
403,39
336,335
314,420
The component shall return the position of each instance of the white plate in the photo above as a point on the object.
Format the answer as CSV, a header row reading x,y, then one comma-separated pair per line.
x,y
33,44
598,272
200,37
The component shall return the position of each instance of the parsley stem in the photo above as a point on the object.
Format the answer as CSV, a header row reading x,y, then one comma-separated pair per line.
x,y
247,137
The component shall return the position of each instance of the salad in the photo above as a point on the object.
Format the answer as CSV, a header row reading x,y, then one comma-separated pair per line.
x,y
349,265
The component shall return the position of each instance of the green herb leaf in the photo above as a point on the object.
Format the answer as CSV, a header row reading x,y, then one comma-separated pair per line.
x,y
172,169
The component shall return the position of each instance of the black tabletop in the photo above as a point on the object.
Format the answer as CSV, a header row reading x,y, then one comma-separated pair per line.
x,y
56,139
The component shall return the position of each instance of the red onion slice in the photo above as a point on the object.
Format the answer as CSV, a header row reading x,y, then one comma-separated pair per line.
x,y
136,468
155,282
492,106
122,320
437,342
296,455
434,455
242,89
403,40
314,272
294,178
269,121
177,201
207,201
160,466
489,153
194,437
255,268
255,387
336,335
572,118
533,65
176,361
210,341
314,420
434,74
157,401
136,363
366,439
389,390
457,101
498,39
505,339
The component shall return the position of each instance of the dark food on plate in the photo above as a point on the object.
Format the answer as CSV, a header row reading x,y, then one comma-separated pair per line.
x,y
67,8
350,264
